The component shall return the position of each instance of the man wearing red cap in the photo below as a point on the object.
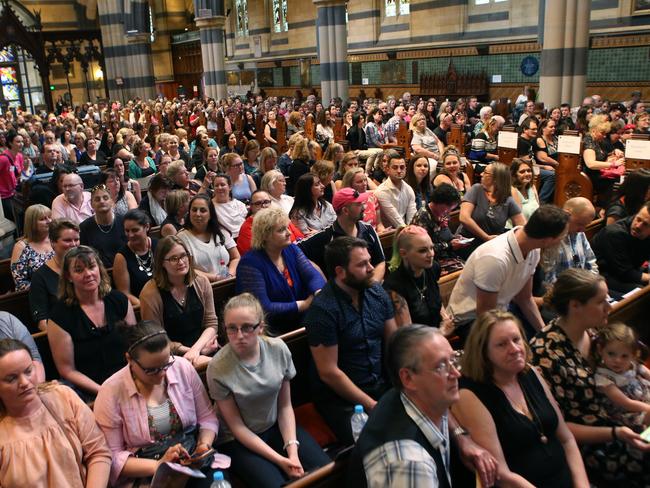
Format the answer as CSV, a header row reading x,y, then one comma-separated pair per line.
x,y
349,207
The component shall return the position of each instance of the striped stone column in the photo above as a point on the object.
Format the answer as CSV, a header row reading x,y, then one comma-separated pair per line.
x,y
211,21
127,48
563,70
332,41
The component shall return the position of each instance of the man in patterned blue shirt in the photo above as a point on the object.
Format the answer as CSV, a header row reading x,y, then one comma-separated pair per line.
x,y
347,324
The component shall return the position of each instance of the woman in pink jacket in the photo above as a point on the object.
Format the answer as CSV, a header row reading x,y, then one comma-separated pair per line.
x,y
155,410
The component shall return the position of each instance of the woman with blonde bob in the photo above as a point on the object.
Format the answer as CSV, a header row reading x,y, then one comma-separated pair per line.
x,y
181,301
34,250
277,272
424,142
509,410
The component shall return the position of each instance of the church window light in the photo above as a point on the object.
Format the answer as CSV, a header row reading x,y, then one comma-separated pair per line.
x,y
241,7
280,23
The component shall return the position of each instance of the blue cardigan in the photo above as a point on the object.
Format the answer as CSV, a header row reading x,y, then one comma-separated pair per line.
x,y
256,274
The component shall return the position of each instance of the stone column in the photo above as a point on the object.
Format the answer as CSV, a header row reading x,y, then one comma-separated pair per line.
x,y
127,48
565,49
211,21
332,41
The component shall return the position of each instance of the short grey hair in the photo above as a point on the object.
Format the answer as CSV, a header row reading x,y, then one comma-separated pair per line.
x,y
269,179
403,350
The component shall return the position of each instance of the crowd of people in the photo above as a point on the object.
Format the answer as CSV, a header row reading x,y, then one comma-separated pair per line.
x,y
139,210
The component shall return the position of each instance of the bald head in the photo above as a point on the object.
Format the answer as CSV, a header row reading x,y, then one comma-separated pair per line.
x,y
581,213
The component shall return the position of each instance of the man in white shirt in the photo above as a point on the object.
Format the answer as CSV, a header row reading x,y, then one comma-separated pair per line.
x,y
396,198
501,270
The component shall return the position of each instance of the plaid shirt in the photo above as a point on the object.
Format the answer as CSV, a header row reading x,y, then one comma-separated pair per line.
x,y
573,252
375,136
405,463
390,128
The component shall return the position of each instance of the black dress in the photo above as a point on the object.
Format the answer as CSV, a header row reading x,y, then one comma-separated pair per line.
x,y
182,323
422,294
542,464
139,272
98,351
43,293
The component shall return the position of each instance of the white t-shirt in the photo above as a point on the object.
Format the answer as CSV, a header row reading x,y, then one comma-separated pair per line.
x,y
231,215
208,256
285,202
497,266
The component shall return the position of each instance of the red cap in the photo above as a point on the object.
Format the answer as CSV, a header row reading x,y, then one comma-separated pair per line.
x,y
348,195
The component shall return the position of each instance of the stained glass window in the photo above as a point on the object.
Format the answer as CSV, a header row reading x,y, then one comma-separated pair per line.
x,y
404,7
241,7
8,75
280,23
10,92
6,56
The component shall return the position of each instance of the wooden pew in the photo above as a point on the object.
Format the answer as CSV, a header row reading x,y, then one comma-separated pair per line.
x,y
282,144
457,137
633,311
221,127
259,130
340,132
332,475
310,127
632,163
570,182
404,136
507,154
6,280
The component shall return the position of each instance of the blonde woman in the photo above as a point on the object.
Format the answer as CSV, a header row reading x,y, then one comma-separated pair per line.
x,y
424,142
325,171
31,252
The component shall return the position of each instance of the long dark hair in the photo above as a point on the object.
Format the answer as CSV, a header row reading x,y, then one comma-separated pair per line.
x,y
634,189
424,187
213,226
303,200
109,173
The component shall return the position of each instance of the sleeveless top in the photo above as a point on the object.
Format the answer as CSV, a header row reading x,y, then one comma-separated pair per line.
x,y
544,465
182,323
139,271
274,132
242,190
98,351
121,207
28,262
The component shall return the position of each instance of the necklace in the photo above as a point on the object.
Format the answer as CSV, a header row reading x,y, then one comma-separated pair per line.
x,y
146,263
179,299
528,410
101,227
424,286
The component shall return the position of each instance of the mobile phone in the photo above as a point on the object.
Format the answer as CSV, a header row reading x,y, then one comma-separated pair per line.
x,y
465,240
197,458
645,435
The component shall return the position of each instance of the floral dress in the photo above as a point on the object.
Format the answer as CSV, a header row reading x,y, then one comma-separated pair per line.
x,y
28,262
633,385
573,384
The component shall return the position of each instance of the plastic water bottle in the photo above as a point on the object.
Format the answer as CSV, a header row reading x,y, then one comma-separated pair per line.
x,y
222,271
219,481
358,420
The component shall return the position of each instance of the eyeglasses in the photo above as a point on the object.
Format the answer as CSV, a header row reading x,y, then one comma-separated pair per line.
x,y
262,203
245,329
157,370
177,259
444,368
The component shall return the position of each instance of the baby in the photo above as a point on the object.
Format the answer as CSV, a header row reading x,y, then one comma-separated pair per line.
x,y
621,377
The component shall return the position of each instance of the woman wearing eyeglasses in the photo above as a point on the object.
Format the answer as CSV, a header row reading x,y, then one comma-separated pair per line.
x,y
243,184
181,301
259,201
155,410
275,184
507,407
250,381
81,328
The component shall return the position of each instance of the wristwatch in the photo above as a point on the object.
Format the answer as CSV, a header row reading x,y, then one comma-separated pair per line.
x,y
458,431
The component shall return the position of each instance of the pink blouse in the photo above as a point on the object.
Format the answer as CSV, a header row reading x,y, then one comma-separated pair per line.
x,y
121,411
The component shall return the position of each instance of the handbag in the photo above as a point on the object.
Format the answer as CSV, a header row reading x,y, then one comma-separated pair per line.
x,y
612,173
